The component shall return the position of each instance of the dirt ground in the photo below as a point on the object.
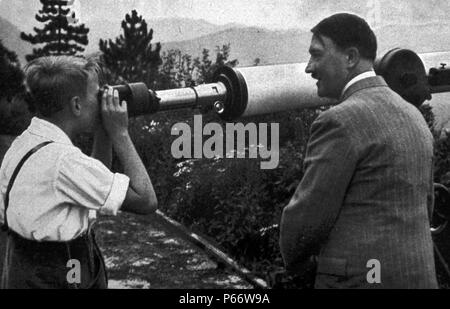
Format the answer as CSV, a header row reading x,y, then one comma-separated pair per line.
x,y
139,253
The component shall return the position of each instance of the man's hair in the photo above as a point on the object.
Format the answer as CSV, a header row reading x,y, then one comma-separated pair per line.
x,y
348,30
52,81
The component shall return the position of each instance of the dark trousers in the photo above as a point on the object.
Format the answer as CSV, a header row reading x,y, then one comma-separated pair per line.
x,y
44,265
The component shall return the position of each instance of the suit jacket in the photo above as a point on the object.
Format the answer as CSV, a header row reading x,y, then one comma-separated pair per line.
x,y
366,194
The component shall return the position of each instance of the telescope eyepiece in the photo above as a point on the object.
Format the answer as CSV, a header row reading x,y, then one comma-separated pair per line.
x,y
140,100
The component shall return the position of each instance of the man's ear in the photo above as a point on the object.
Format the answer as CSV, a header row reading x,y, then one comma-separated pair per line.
x,y
75,106
353,56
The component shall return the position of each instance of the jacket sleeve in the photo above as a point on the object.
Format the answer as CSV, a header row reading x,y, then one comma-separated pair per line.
x,y
329,166
430,195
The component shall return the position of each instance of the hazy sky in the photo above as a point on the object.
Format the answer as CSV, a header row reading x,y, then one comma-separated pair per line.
x,y
281,14
272,14
268,13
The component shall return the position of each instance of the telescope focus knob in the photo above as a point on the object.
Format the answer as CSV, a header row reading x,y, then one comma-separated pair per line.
x,y
219,107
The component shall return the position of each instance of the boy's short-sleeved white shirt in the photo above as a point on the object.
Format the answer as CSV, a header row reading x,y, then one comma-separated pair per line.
x,y
58,187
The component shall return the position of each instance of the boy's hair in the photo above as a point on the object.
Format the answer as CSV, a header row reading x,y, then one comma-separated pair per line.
x,y
52,81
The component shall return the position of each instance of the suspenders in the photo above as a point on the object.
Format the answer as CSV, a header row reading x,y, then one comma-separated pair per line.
x,y
84,248
5,226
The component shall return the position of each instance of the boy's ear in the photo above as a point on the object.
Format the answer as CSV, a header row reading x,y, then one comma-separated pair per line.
x,y
75,106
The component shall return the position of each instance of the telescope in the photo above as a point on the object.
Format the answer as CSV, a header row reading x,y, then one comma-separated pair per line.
x,y
249,91
234,93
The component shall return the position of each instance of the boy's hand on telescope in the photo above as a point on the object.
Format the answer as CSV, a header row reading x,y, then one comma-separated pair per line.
x,y
114,113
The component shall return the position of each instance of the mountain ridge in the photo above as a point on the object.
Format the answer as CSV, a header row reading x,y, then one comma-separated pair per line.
x,y
10,36
249,43
292,45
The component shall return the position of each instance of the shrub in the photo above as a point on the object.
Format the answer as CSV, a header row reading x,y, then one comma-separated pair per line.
x,y
238,204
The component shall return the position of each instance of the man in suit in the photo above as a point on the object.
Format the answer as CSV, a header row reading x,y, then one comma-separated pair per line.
x,y
364,203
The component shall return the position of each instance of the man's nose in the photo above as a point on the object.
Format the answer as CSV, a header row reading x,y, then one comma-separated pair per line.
x,y
309,68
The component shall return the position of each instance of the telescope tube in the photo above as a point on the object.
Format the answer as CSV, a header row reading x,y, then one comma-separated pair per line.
x,y
273,88
249,91
243,92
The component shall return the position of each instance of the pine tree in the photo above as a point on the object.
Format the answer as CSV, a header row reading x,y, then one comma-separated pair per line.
x,y
11,77
207,68
131,58
178,70
14,114
60,33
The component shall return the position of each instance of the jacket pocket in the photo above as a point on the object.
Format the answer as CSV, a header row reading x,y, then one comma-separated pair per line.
x,y
332,266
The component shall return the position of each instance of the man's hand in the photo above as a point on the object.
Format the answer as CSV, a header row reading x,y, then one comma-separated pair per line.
x,y
114,114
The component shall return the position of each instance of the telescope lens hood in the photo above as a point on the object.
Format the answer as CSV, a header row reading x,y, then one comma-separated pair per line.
x,y
237,93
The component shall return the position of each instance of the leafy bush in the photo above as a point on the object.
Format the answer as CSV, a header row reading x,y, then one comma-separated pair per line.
x,y
238,204
441,149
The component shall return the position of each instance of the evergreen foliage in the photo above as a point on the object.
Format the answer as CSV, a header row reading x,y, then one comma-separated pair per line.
x,y
131,57
60,33
14,114
11,77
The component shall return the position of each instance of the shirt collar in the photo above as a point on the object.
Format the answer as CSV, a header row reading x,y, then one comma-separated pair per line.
x,y
48,131
357,78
